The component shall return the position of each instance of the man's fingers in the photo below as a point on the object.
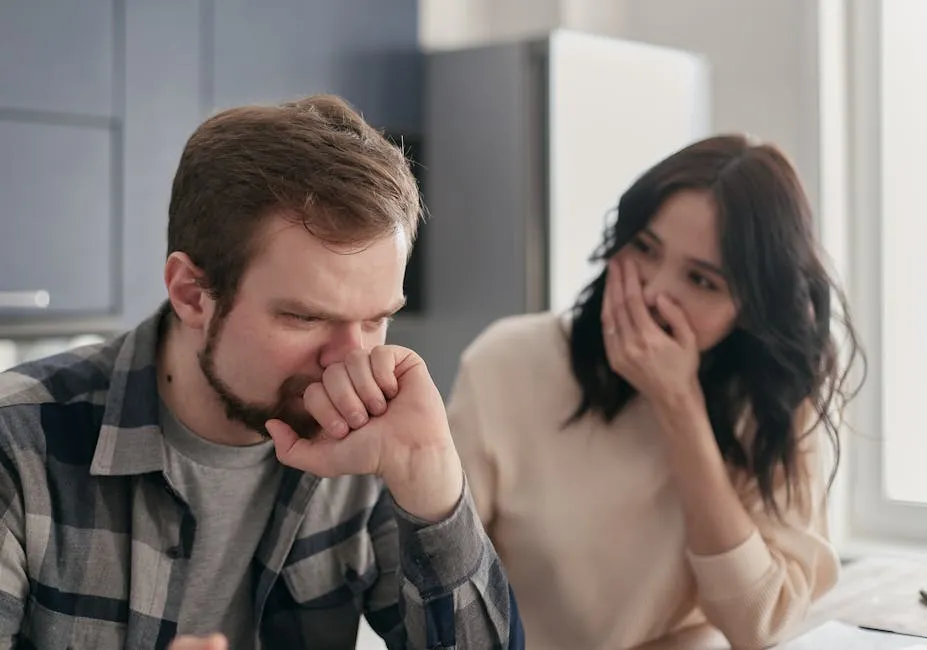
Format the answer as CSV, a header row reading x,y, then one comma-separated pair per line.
x,y
283,435
325,456
323,410
293,451
343,396
359,365
383,367
212,642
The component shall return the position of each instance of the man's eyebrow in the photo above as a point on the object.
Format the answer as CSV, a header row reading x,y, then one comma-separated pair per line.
x,y
310,311
392,311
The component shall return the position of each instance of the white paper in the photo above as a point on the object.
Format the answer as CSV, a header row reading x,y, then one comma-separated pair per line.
x,y
840,636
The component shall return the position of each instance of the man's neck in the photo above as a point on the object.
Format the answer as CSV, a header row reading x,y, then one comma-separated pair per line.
x,y
185,391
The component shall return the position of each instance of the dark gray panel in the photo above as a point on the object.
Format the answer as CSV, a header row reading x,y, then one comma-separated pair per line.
x,y
484,159
162,108
57,56
363,50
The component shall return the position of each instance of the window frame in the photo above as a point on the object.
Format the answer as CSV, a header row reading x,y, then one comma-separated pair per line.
x,y
863,518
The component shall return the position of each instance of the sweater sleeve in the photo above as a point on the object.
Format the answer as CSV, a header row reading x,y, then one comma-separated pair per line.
x,y
465,416
756,592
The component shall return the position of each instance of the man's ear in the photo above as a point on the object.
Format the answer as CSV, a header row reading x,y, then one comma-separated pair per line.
x,y
187,291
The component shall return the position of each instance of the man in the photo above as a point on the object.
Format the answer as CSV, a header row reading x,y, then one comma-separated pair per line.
x,y
141,499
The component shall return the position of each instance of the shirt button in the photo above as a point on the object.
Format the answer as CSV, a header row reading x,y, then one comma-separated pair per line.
x,y
174,552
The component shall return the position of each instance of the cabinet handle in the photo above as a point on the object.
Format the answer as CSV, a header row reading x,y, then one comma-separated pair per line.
x,y
24,299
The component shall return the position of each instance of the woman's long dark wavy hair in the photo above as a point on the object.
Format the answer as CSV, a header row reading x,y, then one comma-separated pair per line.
x,y
783,352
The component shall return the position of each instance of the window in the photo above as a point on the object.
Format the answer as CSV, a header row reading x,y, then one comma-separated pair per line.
x,y
904,237
887,74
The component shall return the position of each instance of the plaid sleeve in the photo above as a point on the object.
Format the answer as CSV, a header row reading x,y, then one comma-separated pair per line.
x,y
453,591
14,583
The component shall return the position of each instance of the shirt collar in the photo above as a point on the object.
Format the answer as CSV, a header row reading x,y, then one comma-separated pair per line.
x,y
130,440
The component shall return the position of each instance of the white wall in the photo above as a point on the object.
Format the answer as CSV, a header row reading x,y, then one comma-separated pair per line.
x,y
447,24
459,23
764,55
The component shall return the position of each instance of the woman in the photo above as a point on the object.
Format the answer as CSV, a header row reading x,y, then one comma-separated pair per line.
x,y
652,461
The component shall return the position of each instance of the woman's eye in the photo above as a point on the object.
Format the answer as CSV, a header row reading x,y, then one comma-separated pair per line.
x,y
703,282
641,245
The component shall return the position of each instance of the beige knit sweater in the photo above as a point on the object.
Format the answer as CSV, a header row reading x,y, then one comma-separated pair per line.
x,y
587,519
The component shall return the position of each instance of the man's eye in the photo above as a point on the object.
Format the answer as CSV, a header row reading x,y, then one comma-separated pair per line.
x,y
374,325
301,317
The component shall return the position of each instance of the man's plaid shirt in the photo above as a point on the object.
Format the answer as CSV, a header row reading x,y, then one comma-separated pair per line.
x,y
94,544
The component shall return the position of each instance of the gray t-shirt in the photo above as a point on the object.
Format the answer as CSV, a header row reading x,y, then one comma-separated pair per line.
x,y
231,492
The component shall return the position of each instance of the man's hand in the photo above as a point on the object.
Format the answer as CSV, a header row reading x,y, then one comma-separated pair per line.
x,y
381,414
212,642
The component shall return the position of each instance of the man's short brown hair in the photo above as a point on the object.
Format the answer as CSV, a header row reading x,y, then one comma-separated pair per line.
x,y
314,160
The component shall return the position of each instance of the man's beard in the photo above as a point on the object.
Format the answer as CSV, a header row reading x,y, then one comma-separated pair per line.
x,y
289,405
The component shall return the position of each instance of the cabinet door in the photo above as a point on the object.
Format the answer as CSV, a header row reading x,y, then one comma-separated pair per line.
x,y
56,56
57,221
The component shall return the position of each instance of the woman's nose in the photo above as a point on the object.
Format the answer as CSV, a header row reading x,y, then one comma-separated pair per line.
x,y
654,283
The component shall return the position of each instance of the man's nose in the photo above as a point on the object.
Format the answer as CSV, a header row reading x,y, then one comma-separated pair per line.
x,y
344,338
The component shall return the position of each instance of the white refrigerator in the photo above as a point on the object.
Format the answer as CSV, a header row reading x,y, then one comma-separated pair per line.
x,y
527,146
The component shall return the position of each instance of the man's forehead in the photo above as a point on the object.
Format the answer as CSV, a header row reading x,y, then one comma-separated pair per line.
x,y
279,234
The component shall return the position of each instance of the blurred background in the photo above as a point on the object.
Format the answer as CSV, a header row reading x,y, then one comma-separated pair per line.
x,y
527,119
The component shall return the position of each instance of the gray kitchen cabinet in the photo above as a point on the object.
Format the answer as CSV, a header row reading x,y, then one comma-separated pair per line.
x,y
57,189
60,144
97,99
57,56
